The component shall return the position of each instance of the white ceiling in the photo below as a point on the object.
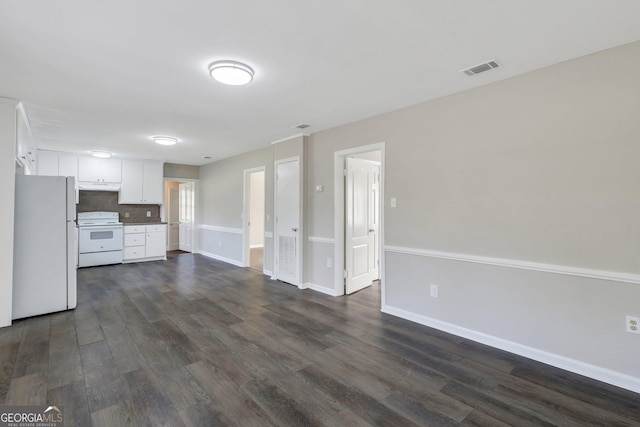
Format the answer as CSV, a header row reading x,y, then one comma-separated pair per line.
x,y
110,74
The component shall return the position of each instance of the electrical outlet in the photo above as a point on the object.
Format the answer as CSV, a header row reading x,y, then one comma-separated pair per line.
x,y
219,243
329,263
434,291
126,214
633,324
148,214
394,202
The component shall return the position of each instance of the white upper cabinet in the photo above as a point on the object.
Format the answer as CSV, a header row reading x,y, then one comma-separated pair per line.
x,y
52,163
91,169
141,182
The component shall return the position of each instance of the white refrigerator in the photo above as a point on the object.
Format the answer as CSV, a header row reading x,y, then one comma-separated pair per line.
x,y
44,246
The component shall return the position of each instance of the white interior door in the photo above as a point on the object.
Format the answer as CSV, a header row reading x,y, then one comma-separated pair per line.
x,y
287,227
174,219
186,200
361,224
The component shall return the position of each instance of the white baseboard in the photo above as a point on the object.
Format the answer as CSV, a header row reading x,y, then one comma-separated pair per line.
x,y
267,272
596,372
319,288
223,259
256,246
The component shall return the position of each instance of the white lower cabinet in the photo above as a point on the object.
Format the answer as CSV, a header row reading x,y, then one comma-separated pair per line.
x,y
145,242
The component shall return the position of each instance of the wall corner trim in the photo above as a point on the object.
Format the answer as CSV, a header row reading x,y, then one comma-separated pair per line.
x,y
596,372
221,258
525,265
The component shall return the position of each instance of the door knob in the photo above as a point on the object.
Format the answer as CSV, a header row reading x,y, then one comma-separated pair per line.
x,y
294,230
371,230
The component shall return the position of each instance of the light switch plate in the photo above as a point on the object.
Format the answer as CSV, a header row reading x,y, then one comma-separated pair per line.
x,y
394,202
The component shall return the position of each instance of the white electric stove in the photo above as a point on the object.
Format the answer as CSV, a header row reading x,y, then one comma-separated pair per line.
x,y
100,239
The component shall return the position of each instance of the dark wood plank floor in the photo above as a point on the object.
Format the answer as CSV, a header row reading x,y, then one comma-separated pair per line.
x,y
192,341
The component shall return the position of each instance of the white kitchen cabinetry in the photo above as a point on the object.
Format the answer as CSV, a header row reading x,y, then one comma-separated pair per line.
x,y
92,169
145,242
156,244
52,163
141,182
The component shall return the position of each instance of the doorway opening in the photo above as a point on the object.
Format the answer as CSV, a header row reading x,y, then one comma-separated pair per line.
x,y
254,214
179,214
359,219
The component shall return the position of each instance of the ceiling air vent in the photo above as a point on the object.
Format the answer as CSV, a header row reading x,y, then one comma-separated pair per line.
x,y
481,68
301,126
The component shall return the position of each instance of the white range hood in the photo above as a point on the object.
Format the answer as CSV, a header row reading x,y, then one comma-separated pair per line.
x,y
95,186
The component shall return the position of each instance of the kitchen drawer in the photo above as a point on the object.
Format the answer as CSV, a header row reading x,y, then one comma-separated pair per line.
x,y
134,252
134,229
155,228
134,239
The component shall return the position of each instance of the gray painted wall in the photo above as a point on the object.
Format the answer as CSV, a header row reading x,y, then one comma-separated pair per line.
x,y
174,170
221,203
540,168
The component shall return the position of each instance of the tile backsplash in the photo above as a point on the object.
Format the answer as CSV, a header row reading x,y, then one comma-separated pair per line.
x,y
107,201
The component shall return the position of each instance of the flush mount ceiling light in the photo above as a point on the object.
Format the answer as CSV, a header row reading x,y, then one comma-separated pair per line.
x,y
231,73
101,154
165,140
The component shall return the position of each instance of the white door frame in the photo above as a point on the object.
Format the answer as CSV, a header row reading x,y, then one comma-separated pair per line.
x,y
339,213
168,207
195,241
301,219
246,212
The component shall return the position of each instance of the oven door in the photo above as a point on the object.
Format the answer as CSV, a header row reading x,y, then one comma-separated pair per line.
x,y
100,239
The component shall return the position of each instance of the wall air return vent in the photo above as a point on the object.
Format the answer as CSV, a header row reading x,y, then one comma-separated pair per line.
x,y
481,68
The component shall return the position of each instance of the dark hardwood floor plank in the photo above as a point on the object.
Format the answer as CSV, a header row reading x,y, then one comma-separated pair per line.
x,y
33,354
227,397
65,365
73,398
146,402
28,390
103,384
280,406
418,410
195,341
87,325
360,403
204,415
287,356
115,415
479,419
346,418
126,353
8,356
496,408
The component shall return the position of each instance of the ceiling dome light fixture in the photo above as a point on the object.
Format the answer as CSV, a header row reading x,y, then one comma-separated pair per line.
x,y
231,73
165,140
101,154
